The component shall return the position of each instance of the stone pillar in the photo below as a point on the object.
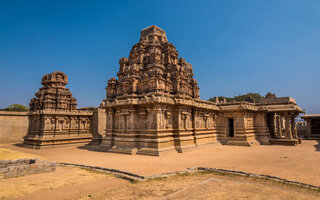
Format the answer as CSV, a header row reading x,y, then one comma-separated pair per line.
x,y
118,119
131,118
279,126
183,119
308,127
274,123
288,128
294,128
142,119
149,118
109,125
125,122
158,117
109,120
164,118
216,99
205,121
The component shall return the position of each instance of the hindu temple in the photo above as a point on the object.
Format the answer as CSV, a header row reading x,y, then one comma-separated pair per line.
x,y
53,116
153,107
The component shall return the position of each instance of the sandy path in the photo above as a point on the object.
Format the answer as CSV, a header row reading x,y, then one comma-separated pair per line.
x,y
300,163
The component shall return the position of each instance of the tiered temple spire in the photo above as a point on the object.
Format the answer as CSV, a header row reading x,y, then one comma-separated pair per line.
x,y
153,66
54,94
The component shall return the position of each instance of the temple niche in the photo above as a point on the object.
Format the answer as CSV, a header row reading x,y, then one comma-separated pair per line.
x,y
53,116
154,107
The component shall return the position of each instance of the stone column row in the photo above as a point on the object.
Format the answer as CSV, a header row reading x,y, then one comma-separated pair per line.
x,y
289,125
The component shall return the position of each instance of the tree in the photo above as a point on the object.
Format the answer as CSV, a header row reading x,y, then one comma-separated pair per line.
x,y
256,96
17,107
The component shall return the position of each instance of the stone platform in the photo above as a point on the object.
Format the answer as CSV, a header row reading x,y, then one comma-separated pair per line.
x,y
288,142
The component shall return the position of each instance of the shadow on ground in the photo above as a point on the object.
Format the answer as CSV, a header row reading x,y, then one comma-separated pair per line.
x,y
91,147
18,144
317,146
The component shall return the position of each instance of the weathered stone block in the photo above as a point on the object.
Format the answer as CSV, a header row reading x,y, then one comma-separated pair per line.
x,y
4,170
4,163
20,168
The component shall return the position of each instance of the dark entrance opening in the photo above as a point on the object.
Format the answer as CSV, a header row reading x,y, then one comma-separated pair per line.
x,y
315,126
269,124
231,128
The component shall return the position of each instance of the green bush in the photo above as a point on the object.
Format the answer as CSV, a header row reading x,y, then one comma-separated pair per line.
x,y
256,96
16,107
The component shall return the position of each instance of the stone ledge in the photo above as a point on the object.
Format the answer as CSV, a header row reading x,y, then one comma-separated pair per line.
x,y
135,177
13,113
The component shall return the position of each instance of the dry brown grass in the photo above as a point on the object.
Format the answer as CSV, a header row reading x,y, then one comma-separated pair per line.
x,y
7,154
206,186
63,176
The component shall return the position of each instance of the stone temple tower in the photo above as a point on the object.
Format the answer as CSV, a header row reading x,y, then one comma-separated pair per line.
x,y
53,116
153,67
150,108
154,107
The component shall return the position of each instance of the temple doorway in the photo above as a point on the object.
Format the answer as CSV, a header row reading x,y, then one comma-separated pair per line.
x,y
231,128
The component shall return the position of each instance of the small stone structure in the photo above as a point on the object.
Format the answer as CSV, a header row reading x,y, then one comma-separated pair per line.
x,y
13,126
154,107
53,116
22,167
312,126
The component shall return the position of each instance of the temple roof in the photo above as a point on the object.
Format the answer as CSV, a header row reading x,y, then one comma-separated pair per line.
x,y
153,66
311,116
153,32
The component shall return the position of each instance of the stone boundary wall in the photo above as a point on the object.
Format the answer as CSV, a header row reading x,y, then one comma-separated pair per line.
x,y
22,167
135,177
302,130
13,126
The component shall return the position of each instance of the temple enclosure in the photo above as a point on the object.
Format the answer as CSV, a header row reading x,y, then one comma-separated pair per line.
x,y
154,108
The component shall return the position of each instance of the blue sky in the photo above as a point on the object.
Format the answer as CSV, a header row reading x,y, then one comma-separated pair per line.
x,y
235,47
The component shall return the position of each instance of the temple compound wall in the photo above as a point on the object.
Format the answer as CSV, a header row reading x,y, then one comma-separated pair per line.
x,y
13,126
154,107
53,116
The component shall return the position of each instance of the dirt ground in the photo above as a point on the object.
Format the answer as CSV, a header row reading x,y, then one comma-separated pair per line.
x,y
64,183
299,163
77,183
203,186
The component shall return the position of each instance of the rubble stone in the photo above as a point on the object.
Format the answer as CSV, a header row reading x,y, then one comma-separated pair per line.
x,y
22,167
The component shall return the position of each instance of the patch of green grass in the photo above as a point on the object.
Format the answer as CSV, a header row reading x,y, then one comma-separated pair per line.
x,y
134,181
158,178
185,174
